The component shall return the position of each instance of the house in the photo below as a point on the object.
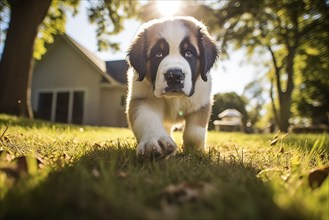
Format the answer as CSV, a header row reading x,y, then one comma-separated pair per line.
x,y
230,120
71,85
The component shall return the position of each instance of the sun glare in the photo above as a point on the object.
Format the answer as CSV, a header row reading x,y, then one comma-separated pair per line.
x,y
168,7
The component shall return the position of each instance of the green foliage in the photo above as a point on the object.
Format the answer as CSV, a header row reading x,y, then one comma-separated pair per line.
x,y
254,92
54,23
283,29
311,99
93,173
109,16
227,101
4,9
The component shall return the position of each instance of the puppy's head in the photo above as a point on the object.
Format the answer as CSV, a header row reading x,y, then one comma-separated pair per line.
x,y
172,54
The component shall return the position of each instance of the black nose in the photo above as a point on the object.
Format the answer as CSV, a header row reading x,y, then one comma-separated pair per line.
x,y
174,76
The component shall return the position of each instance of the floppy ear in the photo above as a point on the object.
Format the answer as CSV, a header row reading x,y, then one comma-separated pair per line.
x,y
208,53
137,55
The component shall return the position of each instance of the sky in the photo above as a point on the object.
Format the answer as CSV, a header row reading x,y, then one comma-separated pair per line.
x,y
227,75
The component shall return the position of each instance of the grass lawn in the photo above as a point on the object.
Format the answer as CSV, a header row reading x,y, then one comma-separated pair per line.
x,y
55,171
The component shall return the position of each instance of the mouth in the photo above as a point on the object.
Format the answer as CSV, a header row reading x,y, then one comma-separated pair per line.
x,y
173,91
178,88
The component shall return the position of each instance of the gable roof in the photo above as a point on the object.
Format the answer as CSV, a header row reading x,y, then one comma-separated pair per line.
x,y
99,63
113,72
229,113
117,70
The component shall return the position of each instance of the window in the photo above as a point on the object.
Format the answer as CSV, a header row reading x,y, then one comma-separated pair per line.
x,y
45,103
64,107
77,113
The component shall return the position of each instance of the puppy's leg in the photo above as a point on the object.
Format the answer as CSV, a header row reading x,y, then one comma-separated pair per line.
x,y
195,132
146,121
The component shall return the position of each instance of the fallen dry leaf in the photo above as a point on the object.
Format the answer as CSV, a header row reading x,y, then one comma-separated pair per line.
x,y
277,137
317,177
95,173
21,166
174,196
9,171
281,150
274,141
122,174
4,132
96,145
28,164
187,192
5,156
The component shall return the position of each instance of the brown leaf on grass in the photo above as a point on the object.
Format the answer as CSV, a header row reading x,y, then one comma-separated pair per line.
x,y
97,146
274,141
174,196
281,150
187,192
5,166
11,172
95,173
122,174
277,137
21,166
277,134
4,132
28,164
317,177
5,156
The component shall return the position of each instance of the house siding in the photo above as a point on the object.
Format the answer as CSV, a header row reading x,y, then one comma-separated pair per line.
x,y
111,109
64,69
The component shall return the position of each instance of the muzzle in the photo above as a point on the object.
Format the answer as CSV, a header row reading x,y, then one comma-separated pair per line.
x,y
175,80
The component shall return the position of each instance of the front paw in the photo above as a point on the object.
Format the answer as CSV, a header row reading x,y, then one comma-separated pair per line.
x,y
156,147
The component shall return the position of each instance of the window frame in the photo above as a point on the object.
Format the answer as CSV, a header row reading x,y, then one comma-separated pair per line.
x,y
70,104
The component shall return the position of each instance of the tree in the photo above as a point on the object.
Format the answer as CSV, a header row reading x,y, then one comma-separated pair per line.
x,y
225,101
279,28
311,99
16,66
254,93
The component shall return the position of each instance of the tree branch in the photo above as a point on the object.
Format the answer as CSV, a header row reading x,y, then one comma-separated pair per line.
x,y
277,70
275,112
309,27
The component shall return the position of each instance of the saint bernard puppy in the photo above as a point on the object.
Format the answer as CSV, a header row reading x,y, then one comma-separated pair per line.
x,y
169,83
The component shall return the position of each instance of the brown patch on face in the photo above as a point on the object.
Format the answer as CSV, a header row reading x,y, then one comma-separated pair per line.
x,y
207,48
152,40
149,71
153,36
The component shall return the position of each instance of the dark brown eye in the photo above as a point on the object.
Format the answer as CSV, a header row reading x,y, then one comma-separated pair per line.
x,y
188,53
158,54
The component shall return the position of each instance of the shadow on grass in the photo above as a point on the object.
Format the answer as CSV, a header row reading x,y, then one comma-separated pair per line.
x,y
112,184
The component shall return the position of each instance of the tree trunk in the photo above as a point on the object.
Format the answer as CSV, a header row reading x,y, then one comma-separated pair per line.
x,y
285,113
285,97
275,112
15,65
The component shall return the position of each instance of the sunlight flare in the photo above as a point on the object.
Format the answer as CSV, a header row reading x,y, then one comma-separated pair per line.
x,y
168,8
